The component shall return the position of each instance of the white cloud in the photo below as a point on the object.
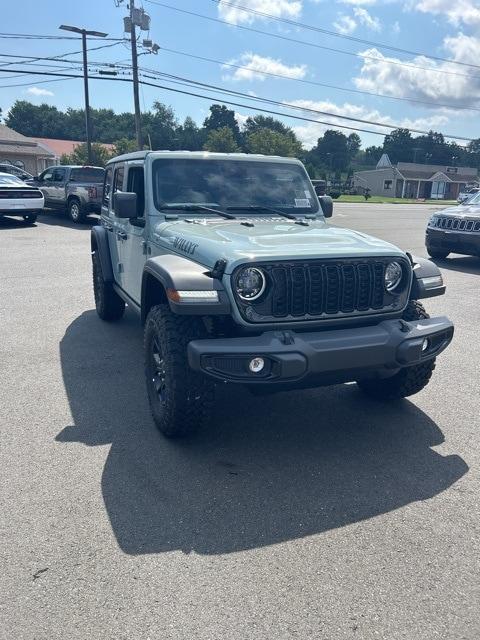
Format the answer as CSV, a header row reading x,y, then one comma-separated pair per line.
x,y
36,91
456,11
256,66
308,133
366,19
451,84
359,2
277,8
345,25
396,27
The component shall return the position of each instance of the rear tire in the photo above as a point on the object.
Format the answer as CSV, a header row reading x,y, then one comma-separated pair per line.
x,y
75,212
30,218
180,399
437,253
110,307
407,381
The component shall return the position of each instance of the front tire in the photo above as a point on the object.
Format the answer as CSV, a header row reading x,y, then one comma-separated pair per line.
x,y
30,218
110,307
180,399
437,253
75,212
407,381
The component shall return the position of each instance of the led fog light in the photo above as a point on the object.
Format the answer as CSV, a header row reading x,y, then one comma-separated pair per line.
x,y
256,365
425,344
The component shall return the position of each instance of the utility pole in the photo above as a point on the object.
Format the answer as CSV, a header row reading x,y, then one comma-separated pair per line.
x,y
136,98
84,33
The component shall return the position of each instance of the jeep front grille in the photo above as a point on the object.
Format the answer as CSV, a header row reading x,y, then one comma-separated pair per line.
x,y
456,224
320,289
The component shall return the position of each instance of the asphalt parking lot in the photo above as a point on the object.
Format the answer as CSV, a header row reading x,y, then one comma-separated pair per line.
x,y
314,515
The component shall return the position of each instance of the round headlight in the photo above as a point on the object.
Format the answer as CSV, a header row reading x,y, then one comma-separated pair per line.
x,y
393,276
250,284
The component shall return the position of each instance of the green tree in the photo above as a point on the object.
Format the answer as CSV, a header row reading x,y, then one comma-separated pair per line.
x,y
189,136
43,121
221,140
272,143
125,145
100,155
331,151
221,117
353,145
255,123
399,145
373,154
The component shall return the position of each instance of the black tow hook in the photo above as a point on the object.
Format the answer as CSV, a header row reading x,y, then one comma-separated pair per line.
x,y
404,326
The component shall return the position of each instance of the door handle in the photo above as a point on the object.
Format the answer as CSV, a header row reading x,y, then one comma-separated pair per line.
x,y
121,235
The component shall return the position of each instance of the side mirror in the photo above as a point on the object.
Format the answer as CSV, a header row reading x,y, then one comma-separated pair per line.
x,y
125,204
319,190
327,206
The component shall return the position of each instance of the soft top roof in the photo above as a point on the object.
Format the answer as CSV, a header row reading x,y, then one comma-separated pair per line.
x,y
200,155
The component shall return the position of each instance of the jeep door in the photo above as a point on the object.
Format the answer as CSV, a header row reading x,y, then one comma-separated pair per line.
x,y
132,246
114,178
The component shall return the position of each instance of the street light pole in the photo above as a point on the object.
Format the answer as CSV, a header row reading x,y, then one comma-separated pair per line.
x,y
84,33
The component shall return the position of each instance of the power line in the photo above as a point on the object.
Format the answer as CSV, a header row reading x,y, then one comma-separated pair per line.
x,y
236,104
31,36
315,83
210,87
302,25
312,44
52,58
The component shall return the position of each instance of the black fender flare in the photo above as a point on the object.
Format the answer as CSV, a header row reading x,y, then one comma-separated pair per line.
x,y
176,273
99,245
427,279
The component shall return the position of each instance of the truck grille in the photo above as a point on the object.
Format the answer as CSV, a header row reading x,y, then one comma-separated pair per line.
x,y
456,224
325,289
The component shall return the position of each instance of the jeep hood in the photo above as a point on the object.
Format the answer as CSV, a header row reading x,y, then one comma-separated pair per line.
x,y
207,240
460,211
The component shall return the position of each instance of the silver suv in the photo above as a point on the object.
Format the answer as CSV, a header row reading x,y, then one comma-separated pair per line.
x,y
238,278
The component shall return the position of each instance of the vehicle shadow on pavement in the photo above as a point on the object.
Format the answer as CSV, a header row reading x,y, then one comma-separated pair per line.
x,y
267,470
465,264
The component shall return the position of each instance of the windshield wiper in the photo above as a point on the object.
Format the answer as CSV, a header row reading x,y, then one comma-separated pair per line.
x,y
284,214
197,207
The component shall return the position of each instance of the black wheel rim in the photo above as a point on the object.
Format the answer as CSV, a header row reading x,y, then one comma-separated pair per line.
x,y
158,372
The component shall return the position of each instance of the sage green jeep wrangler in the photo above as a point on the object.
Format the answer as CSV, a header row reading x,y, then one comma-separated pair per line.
x,y
237,277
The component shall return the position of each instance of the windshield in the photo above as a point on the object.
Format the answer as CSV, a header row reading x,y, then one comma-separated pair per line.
x,y
7,180
473,199
232,183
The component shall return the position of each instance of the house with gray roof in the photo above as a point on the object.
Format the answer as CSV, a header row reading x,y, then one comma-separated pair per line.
x,y
411,180
23,152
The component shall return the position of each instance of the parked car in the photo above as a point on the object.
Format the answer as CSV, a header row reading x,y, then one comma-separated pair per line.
x,y
74,189
238,278
455,230
15,171
463,196
19,199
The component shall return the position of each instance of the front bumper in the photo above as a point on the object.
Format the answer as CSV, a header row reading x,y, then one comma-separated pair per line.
x,y
330,356
455,241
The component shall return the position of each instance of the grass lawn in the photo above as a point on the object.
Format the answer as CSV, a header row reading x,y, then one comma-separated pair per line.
x,y
385,200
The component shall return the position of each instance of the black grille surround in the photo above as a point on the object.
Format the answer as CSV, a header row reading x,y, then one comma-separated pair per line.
x,y
324,289
453,223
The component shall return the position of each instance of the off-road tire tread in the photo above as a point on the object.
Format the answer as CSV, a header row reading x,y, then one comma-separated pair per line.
x,y
190,394
409,380
110,307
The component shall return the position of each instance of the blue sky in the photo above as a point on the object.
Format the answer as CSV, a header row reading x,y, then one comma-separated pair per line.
x,y
444,28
